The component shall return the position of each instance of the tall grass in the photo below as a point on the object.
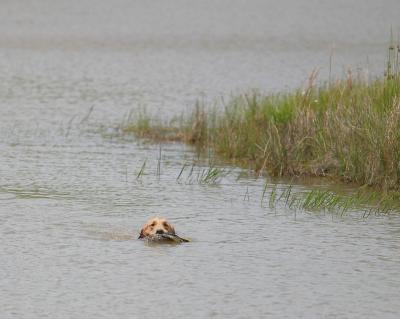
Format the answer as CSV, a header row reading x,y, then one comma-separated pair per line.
x,y
348,129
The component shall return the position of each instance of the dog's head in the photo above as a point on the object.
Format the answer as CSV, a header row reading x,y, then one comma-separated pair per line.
x,y
157,226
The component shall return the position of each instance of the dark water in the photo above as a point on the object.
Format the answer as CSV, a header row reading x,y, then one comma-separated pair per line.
x,y
71,204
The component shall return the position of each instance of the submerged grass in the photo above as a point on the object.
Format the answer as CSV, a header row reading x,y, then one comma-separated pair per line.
x,y
141,172
364,200
348,129
210,175
290,196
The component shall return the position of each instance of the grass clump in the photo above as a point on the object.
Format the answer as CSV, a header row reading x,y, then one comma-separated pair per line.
x,y
347,129
364,200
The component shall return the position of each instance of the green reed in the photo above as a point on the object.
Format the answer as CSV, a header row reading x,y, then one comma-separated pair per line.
x,y
141,172
364,200
347,129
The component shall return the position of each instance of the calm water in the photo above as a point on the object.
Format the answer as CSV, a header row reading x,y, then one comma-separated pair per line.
x,y
71,204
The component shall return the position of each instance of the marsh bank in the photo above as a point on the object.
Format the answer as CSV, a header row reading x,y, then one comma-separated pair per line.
x,y
71,204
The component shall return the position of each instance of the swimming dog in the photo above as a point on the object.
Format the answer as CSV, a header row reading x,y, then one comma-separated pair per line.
x,y
160,229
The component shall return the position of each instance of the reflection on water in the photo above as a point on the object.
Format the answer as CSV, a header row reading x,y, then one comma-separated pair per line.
x,y
71,202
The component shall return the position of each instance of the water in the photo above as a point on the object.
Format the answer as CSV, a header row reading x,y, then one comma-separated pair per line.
x,y
71,205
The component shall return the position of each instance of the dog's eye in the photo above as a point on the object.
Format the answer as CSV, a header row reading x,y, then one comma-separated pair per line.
x,y
165,224
152,224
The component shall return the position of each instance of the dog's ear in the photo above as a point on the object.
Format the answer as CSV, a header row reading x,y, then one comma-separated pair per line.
x,y
141,234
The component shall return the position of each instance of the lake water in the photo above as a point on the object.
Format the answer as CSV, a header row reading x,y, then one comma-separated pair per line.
x,y
71,201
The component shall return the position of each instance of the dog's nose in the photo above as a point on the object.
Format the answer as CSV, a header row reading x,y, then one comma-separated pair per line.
x,y
160,231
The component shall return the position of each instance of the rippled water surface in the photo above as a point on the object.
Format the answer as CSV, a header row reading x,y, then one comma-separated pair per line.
x,y
71,200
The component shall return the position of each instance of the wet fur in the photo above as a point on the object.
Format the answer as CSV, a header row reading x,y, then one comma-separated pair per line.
x,y
156,226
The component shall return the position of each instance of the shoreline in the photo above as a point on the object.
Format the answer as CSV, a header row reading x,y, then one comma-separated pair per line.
x,y
348,130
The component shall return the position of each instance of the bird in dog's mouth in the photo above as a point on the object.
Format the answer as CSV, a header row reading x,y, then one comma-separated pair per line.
x,y
160,230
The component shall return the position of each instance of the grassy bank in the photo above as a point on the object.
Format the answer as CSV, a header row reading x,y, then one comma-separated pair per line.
x,y
348,129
